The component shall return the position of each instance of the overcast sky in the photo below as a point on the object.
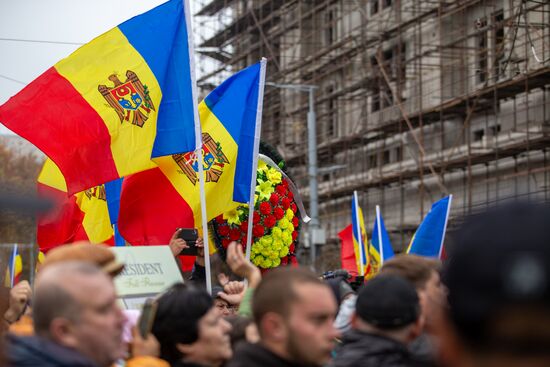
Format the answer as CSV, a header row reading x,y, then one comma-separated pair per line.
x,y
35,34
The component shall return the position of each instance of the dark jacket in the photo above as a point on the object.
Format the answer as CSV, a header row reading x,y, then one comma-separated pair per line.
x,y
36,351
250,355
364,349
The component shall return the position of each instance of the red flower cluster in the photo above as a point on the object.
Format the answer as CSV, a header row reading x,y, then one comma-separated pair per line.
x,y
265,217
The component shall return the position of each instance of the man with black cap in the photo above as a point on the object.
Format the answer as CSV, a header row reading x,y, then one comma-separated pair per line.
x,y
498,277
386,320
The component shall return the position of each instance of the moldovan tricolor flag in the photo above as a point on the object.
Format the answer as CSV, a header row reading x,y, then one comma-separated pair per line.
x,y
380,248
359,236
428,238
80,217
155,202
114,103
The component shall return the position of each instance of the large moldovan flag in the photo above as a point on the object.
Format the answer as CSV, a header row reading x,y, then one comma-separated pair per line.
x,y
114,103
154,203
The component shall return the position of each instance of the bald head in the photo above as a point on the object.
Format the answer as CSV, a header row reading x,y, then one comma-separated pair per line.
x,y
57,290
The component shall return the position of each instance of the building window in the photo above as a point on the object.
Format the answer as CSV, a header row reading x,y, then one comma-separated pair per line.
x,y
330,23
332,113
373,7
398,154
482,43
372,161
479,134
386,157
498,42
386,3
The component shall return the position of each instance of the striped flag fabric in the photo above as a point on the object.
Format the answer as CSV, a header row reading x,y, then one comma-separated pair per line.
x,y
108,108
430,235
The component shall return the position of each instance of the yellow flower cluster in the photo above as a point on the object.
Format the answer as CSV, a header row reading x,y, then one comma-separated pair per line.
x,y
268,250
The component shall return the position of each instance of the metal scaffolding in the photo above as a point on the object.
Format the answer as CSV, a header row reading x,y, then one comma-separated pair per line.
x,y
417,98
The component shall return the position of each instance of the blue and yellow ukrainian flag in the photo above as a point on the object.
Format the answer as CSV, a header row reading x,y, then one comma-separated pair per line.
x,y
359,236
230,128
428,238
380,249
113,104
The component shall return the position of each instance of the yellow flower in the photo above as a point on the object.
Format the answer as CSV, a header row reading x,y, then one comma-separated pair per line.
x,y
289,214
266,264
232,216
264,189
283,252
284,223
262,166
258,260
287,238
276,262
278,244
274,176
266,240
276,233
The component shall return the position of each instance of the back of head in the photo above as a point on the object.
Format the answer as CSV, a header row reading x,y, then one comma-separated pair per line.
x,y
498,278
98,254
415,269
276,291
178,313
53,296
388,302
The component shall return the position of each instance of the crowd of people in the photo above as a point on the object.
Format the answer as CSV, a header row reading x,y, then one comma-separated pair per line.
x,y
488,305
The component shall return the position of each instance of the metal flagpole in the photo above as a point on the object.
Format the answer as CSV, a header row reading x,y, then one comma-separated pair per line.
x,y
445,225
257,133
198,146
380,241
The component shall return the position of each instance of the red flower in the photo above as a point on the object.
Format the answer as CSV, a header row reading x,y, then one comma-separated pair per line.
x,y
285,183
284,260
295,222
290,195
226,242
270,221
244,226
293,207
281,189
274,199
243,243
219,219
294,235
265,208
285,203
256,217
258,231
291,248
279,213
223,230
235,234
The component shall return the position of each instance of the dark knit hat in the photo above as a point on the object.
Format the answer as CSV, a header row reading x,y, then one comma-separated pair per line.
x,y
388,302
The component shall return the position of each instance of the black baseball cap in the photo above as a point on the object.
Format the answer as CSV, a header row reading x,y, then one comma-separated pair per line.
x,y
388,302
498,278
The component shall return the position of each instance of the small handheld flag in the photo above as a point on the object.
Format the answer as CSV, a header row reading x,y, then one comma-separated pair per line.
x,y
380,249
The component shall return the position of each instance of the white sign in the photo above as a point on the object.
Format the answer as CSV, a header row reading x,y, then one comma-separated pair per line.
x,y
148,270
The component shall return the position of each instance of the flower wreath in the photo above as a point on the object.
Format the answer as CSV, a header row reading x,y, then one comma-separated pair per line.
x,y
276,224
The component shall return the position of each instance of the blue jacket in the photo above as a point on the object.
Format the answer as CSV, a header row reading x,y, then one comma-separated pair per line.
x,y
36,351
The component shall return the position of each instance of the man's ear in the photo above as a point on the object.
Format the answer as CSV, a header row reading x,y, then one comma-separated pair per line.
x,y
186,349
418,327
274,327
62,331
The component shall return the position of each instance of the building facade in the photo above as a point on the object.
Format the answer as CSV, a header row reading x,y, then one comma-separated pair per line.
x,y
416,99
